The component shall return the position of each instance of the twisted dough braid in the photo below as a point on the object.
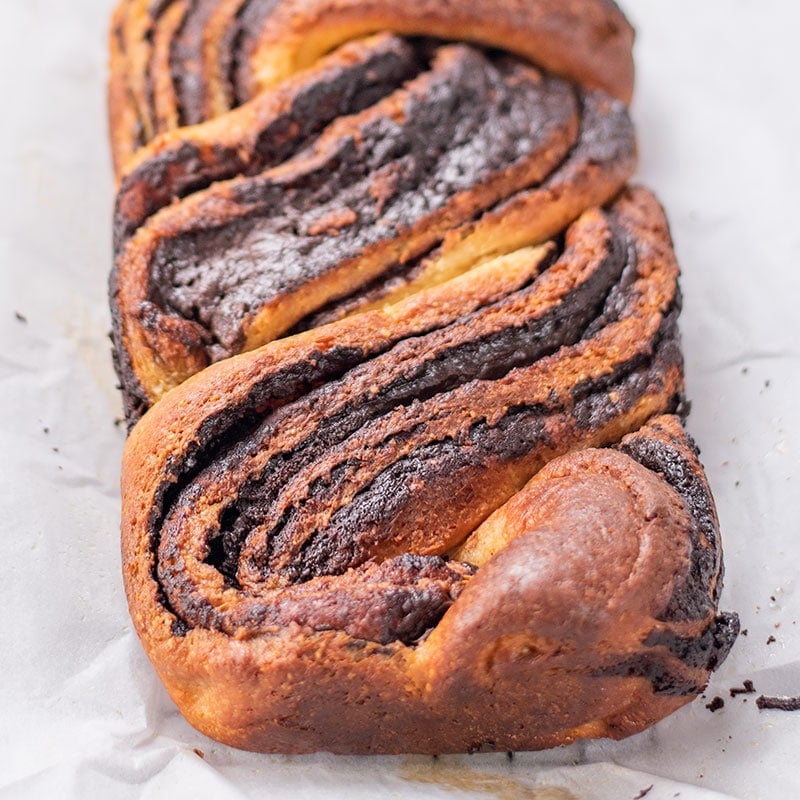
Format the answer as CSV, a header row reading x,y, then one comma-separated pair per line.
x,y
400,356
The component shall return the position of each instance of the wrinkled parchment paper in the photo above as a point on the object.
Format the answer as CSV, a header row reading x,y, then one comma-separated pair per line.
x,y
82,712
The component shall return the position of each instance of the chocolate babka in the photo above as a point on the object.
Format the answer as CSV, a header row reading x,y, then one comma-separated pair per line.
x,y
399,351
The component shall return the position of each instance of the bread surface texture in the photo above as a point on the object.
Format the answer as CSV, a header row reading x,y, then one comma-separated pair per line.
x,y
399,353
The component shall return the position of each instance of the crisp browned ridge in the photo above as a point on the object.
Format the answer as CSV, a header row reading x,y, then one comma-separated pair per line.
x,y
399,352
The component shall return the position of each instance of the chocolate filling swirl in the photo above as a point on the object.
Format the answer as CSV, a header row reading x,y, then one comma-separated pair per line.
x,y
339,473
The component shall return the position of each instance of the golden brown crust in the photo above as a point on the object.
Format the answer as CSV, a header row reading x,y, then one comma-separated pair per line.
x,y
587,42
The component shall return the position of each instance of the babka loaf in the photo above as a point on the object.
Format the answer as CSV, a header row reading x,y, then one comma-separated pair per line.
x,y
400,356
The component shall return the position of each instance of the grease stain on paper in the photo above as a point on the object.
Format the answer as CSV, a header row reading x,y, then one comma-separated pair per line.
x,y
464,779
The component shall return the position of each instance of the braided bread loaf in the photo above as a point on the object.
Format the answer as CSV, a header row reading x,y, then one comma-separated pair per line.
x,y
399,352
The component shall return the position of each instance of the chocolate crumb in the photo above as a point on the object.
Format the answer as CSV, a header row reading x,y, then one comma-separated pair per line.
x,y
199,752
746,688
644,792
119,422
56,450
716,704
21,317
45,430
744,632
772,597
771,639
510,756
779,703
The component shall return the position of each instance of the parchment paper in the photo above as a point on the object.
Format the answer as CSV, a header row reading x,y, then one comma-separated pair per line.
x,y
82,712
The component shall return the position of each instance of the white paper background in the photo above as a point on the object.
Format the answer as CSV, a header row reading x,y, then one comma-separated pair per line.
x,y
82,713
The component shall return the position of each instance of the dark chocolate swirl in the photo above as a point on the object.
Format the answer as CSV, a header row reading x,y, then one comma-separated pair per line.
x,y
340,454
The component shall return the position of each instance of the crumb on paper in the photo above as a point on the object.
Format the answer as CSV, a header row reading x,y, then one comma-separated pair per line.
x,y
778,703
20,317
771,639
644,792
199,752
747,687
716,704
